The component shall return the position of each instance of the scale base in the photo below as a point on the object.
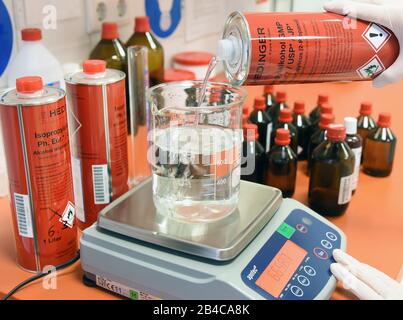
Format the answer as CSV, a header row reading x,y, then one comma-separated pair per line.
x,y
141,270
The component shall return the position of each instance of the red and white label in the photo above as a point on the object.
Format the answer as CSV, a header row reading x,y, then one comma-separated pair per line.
x,y
376,36
371,69
68,215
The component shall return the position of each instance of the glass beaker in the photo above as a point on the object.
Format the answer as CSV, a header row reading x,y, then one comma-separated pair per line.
x,y
195,152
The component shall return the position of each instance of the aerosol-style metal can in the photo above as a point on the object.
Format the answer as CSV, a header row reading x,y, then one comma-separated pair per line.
x,y
98,128
37,150
286,48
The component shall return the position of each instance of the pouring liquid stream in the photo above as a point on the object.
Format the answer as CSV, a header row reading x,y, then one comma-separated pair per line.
x,y
212,65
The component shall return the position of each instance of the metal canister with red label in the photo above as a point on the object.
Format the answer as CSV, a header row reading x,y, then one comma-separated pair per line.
x,y
37,149
285,48
98,128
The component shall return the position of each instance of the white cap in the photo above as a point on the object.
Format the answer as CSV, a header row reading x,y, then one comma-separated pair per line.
x,y
351,125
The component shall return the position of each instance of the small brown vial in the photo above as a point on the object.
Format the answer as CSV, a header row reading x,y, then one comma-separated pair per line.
x,y
324,109
281,103
319,136
285,122
314,116
282,165
332,172
380,149
303,125
270,97
365,123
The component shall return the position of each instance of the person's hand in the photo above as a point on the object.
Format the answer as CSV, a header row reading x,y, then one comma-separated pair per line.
x,y
388,13
364,281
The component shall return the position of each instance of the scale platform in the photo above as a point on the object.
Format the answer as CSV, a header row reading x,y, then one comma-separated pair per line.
x,y
134,215
269,248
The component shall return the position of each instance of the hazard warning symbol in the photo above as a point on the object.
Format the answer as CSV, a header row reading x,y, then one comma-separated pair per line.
x,y
371,69
376,36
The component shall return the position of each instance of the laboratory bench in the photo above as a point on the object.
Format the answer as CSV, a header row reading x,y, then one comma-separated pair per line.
x,y
373,223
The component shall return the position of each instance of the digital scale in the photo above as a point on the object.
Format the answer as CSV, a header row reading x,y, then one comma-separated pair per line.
x,y
269,248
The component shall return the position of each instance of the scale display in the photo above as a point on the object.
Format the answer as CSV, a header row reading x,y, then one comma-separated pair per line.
x,y
295,262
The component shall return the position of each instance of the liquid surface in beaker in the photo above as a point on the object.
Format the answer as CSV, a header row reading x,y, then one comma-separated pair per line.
x,y
196,174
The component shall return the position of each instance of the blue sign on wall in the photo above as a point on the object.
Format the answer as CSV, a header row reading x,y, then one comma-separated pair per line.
x,y
163,21
6,37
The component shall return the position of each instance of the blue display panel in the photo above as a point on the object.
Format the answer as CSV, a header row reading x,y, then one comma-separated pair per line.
x,y
294,263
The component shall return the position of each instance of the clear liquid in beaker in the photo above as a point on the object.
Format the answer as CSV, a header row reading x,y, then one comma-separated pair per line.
x,y
196,174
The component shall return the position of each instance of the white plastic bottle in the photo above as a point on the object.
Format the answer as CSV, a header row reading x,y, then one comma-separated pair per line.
x,y
34,59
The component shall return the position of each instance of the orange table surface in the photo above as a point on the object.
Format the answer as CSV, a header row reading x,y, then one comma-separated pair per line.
x,y
373,222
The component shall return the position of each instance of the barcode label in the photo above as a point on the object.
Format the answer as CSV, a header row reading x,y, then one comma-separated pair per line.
x,y
268,137
100,181
358,156
346,190
23,212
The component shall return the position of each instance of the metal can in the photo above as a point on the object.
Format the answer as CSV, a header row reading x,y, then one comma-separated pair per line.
x,y
98,127
37,150
287,48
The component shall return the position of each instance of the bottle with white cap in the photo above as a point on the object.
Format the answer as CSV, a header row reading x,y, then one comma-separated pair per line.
x,y
34,58
355,142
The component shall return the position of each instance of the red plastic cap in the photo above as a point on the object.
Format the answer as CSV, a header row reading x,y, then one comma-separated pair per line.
x,y
323,98
385,120
250,132
29,84
215,97
326,120
299,107
326,109
281,97
110,31
142,24
366,109
283,137
260,104
172,75
269,89
31,34
285,116
94,66
336,132
193,58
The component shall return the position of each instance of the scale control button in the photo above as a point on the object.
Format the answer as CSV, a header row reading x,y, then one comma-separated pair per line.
x,y
320,253
310,271
304,281
301,228
331,236
326,244
297,291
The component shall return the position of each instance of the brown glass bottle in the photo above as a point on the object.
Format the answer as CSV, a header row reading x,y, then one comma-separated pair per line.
x,y
380,149
325,108
143,37
285,122
263,121
282,164
330,187
254,156
319,136
270,97
281,103
314,116
110,48
365,123
354,141
303,125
